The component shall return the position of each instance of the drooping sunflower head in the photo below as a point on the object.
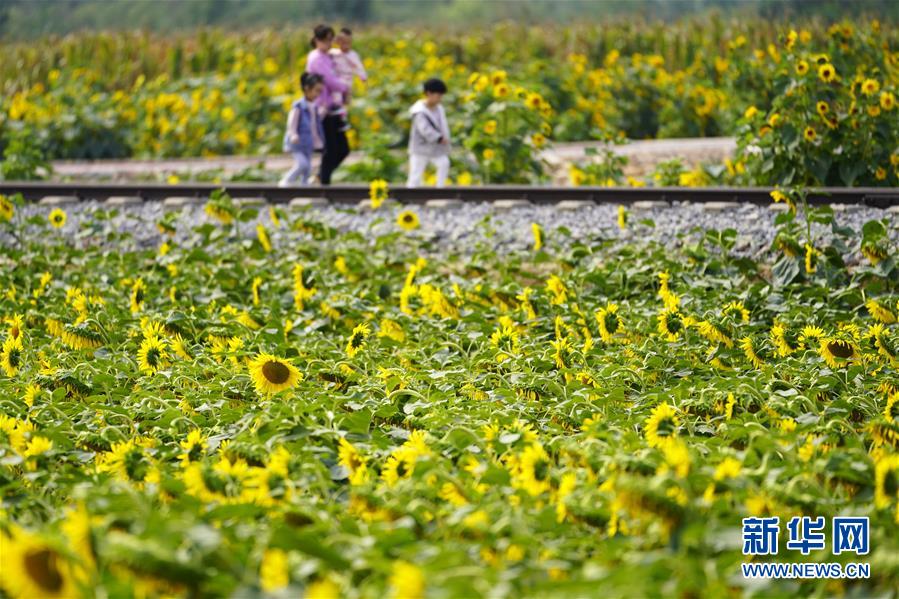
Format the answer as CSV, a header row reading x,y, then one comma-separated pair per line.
x,y
271,374
57,218
407,220
837,350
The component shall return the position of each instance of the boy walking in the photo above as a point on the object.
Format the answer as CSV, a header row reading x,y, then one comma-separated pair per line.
x,y
429,138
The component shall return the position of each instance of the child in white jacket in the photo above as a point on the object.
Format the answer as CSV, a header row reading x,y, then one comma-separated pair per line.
x,y
429,138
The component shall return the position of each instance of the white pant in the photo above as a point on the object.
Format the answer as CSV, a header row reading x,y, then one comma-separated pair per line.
x,y
417,165
302,164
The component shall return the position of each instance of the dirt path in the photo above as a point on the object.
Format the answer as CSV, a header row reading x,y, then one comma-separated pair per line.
x,y
642,156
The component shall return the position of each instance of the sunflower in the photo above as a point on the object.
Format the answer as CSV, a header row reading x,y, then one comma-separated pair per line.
x,y
350,458
891,410
11,355
875,251
811,258
505,339
778,336
748,347
609,322
837,351
887,100
671,324
152,355
490,127
7,210
879,312
533,469
538,139
407,220
802,67
138,291
661,426
809,134
357,339
622,217
538,236
489,154
57,218
264,240
34,568
827,73
822,107
377,192
870,87
271,374
886,480
501,90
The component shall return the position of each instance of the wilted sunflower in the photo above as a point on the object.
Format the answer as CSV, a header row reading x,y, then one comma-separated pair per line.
x,y
749,351
407,220
33,568
661,426
271,374
879,312
505,339
357,339
152,355
671,324
57,218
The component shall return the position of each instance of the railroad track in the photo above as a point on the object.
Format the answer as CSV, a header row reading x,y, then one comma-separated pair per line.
x,y
348,194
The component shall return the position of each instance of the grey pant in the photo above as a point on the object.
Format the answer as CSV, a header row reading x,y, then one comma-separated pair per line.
x,y
302,167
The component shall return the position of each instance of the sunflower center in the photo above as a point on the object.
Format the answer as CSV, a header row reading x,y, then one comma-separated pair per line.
x,y
840,349
541,470
41,568
275,372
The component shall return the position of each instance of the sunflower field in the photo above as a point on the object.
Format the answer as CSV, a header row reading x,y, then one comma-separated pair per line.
x,y
811,103
259,404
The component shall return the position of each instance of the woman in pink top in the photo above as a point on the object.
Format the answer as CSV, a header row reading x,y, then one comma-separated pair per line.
x,y
329,103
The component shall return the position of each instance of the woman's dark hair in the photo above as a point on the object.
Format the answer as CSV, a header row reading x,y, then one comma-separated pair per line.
x,y
308,80
321,32
435,86
346,31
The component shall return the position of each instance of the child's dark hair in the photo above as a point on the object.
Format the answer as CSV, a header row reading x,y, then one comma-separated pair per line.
x,y
321,32
435,86
308,80
346,31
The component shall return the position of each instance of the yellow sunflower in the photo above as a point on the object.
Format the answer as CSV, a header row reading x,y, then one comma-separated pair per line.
x,y
822,107
57,218
152,355
837,351
271,374
809,134
490,127
357,340
827,72
802,67
534,465
887,100
33,568
870,87
661,426
7,210
407,220
138,290
538,236
377,192
11,355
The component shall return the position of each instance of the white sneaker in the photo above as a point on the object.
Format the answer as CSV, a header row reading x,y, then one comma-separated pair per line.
x,y
282,183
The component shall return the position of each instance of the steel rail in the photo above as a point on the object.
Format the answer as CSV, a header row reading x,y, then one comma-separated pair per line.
x,y
344,194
